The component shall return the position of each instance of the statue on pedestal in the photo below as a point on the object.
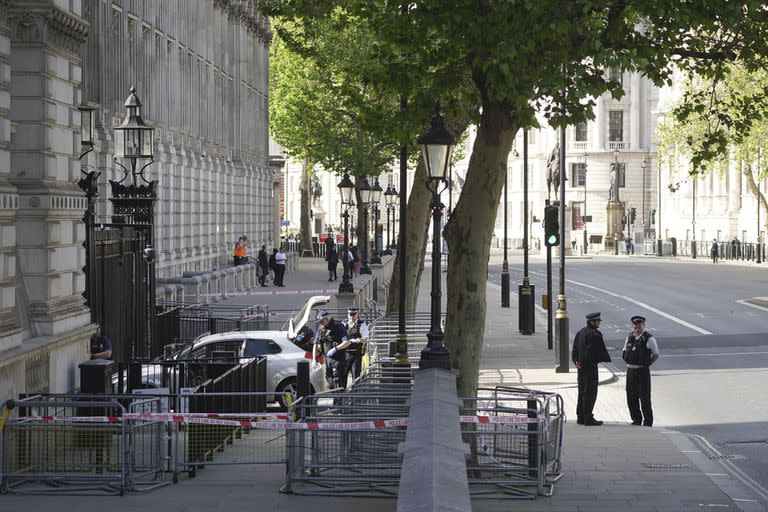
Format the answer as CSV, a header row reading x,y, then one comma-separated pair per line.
x,y
613,192
553,170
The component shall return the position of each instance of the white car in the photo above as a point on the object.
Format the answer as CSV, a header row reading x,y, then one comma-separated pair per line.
x,y
279,347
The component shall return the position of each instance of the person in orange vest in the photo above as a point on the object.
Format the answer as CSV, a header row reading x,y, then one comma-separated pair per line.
x,y
240,247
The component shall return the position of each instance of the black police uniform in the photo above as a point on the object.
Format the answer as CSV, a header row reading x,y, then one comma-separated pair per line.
x,y
589,350
335,366
354,351
99,344
638,386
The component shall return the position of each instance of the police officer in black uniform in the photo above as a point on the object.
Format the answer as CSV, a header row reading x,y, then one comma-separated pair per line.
x,y
588,351
331,339
640,351
99,346
357,331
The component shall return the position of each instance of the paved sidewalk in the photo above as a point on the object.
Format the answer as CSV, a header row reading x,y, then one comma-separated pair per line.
x,y
608,468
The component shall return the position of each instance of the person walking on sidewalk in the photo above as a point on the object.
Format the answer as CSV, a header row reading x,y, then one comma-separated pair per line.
x,y
714,251
280,259
640,351
588,351
263,260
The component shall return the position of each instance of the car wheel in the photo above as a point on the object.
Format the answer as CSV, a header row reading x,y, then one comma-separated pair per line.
x,y
288,386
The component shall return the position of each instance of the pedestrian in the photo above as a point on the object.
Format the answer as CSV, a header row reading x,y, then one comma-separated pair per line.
x,y
628,244
356,263
240,251
640,351
329,242
735,248
280,259
588,351
263,260
272,262
332,257
357,331
331,339
99,346
714,251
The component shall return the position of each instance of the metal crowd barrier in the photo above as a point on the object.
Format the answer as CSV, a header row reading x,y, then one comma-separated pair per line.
x,y
66,446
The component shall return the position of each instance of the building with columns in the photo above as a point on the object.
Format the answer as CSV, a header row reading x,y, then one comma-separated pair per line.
x,y
200,68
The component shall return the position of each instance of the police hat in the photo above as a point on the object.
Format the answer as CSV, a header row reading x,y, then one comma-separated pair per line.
x,y
593,316
352,311
322,314
637,319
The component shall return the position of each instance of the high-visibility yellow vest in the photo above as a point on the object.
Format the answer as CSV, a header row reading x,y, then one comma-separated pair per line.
x,y
240,249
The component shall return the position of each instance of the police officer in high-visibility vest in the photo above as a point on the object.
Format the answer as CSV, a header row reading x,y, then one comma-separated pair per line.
x,y
357,331
240,250
640,351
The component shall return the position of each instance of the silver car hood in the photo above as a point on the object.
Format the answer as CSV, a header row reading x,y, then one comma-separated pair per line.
x,y
301,317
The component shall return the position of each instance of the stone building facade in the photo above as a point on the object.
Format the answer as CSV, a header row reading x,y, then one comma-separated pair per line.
x,y
200,68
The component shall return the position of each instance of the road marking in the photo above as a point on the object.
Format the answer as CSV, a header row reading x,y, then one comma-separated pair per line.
x,y
718,354
735,472
745,302
638,303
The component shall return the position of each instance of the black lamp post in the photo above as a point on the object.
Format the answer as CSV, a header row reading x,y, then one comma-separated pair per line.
x,y
347,190
366,194
436,146
133,139
389,200
89,184
585,243
376,191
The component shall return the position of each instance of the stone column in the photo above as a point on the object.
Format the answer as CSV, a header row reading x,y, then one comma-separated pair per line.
x,y
10,332
46,74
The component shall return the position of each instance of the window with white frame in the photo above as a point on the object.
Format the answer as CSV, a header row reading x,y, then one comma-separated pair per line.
x,y
578,174
616,75
580,132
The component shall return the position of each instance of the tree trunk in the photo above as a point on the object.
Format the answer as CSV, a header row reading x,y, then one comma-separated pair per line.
x,y
305,189
468,233
415,243
752,186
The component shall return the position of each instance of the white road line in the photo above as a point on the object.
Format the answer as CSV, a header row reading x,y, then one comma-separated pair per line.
x,y
718,354
638,303
745,302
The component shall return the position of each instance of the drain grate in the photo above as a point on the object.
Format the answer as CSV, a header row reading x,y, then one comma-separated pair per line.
x,y
727,457
665,466
758,442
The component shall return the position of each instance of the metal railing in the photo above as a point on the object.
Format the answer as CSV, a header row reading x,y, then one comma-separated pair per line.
x,y
65,446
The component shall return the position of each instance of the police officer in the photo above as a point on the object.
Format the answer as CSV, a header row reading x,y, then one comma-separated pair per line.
x,y
640,352
357,331
99,346
588,351
331,339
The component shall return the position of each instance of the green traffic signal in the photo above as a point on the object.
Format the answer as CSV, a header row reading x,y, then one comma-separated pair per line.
x,y
551,226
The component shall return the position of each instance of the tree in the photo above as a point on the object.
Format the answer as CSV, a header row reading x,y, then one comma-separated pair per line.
x,y
524,57
719,121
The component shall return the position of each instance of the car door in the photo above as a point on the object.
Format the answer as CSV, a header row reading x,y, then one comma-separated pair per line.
x,y
278,360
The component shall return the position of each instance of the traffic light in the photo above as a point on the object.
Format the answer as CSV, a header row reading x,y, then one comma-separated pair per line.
x,y
632,215
551,226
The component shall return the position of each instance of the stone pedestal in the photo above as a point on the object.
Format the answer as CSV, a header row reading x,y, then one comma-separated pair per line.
x,y
615,217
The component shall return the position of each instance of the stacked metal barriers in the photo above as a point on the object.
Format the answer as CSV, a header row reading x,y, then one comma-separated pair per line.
x,y
515,437
84,446
351,445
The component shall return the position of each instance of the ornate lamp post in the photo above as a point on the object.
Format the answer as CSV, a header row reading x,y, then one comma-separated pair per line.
x,y
389,200
88,183
366,194
347,190
376,191
436,146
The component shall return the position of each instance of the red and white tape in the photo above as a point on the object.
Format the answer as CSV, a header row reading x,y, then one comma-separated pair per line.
x,y
280,422
270,292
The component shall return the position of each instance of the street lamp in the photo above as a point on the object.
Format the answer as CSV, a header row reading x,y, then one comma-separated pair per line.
x,y
366,195
436,146
347,190
584,213
133,139
390,197
659,246
376,191
613,226
646,223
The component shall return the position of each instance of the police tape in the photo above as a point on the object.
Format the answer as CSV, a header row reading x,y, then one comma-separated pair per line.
x,y
269,292
279,422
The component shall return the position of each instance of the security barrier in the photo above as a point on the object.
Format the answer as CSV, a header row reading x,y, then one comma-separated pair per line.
x,y
77,446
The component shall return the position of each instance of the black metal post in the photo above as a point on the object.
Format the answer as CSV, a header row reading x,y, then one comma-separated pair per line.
x,y
584,214
759,246
346,285
505,263
376,258
563,356
401,344
659,246
550,343
526,301
365,268
435,355
388,250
